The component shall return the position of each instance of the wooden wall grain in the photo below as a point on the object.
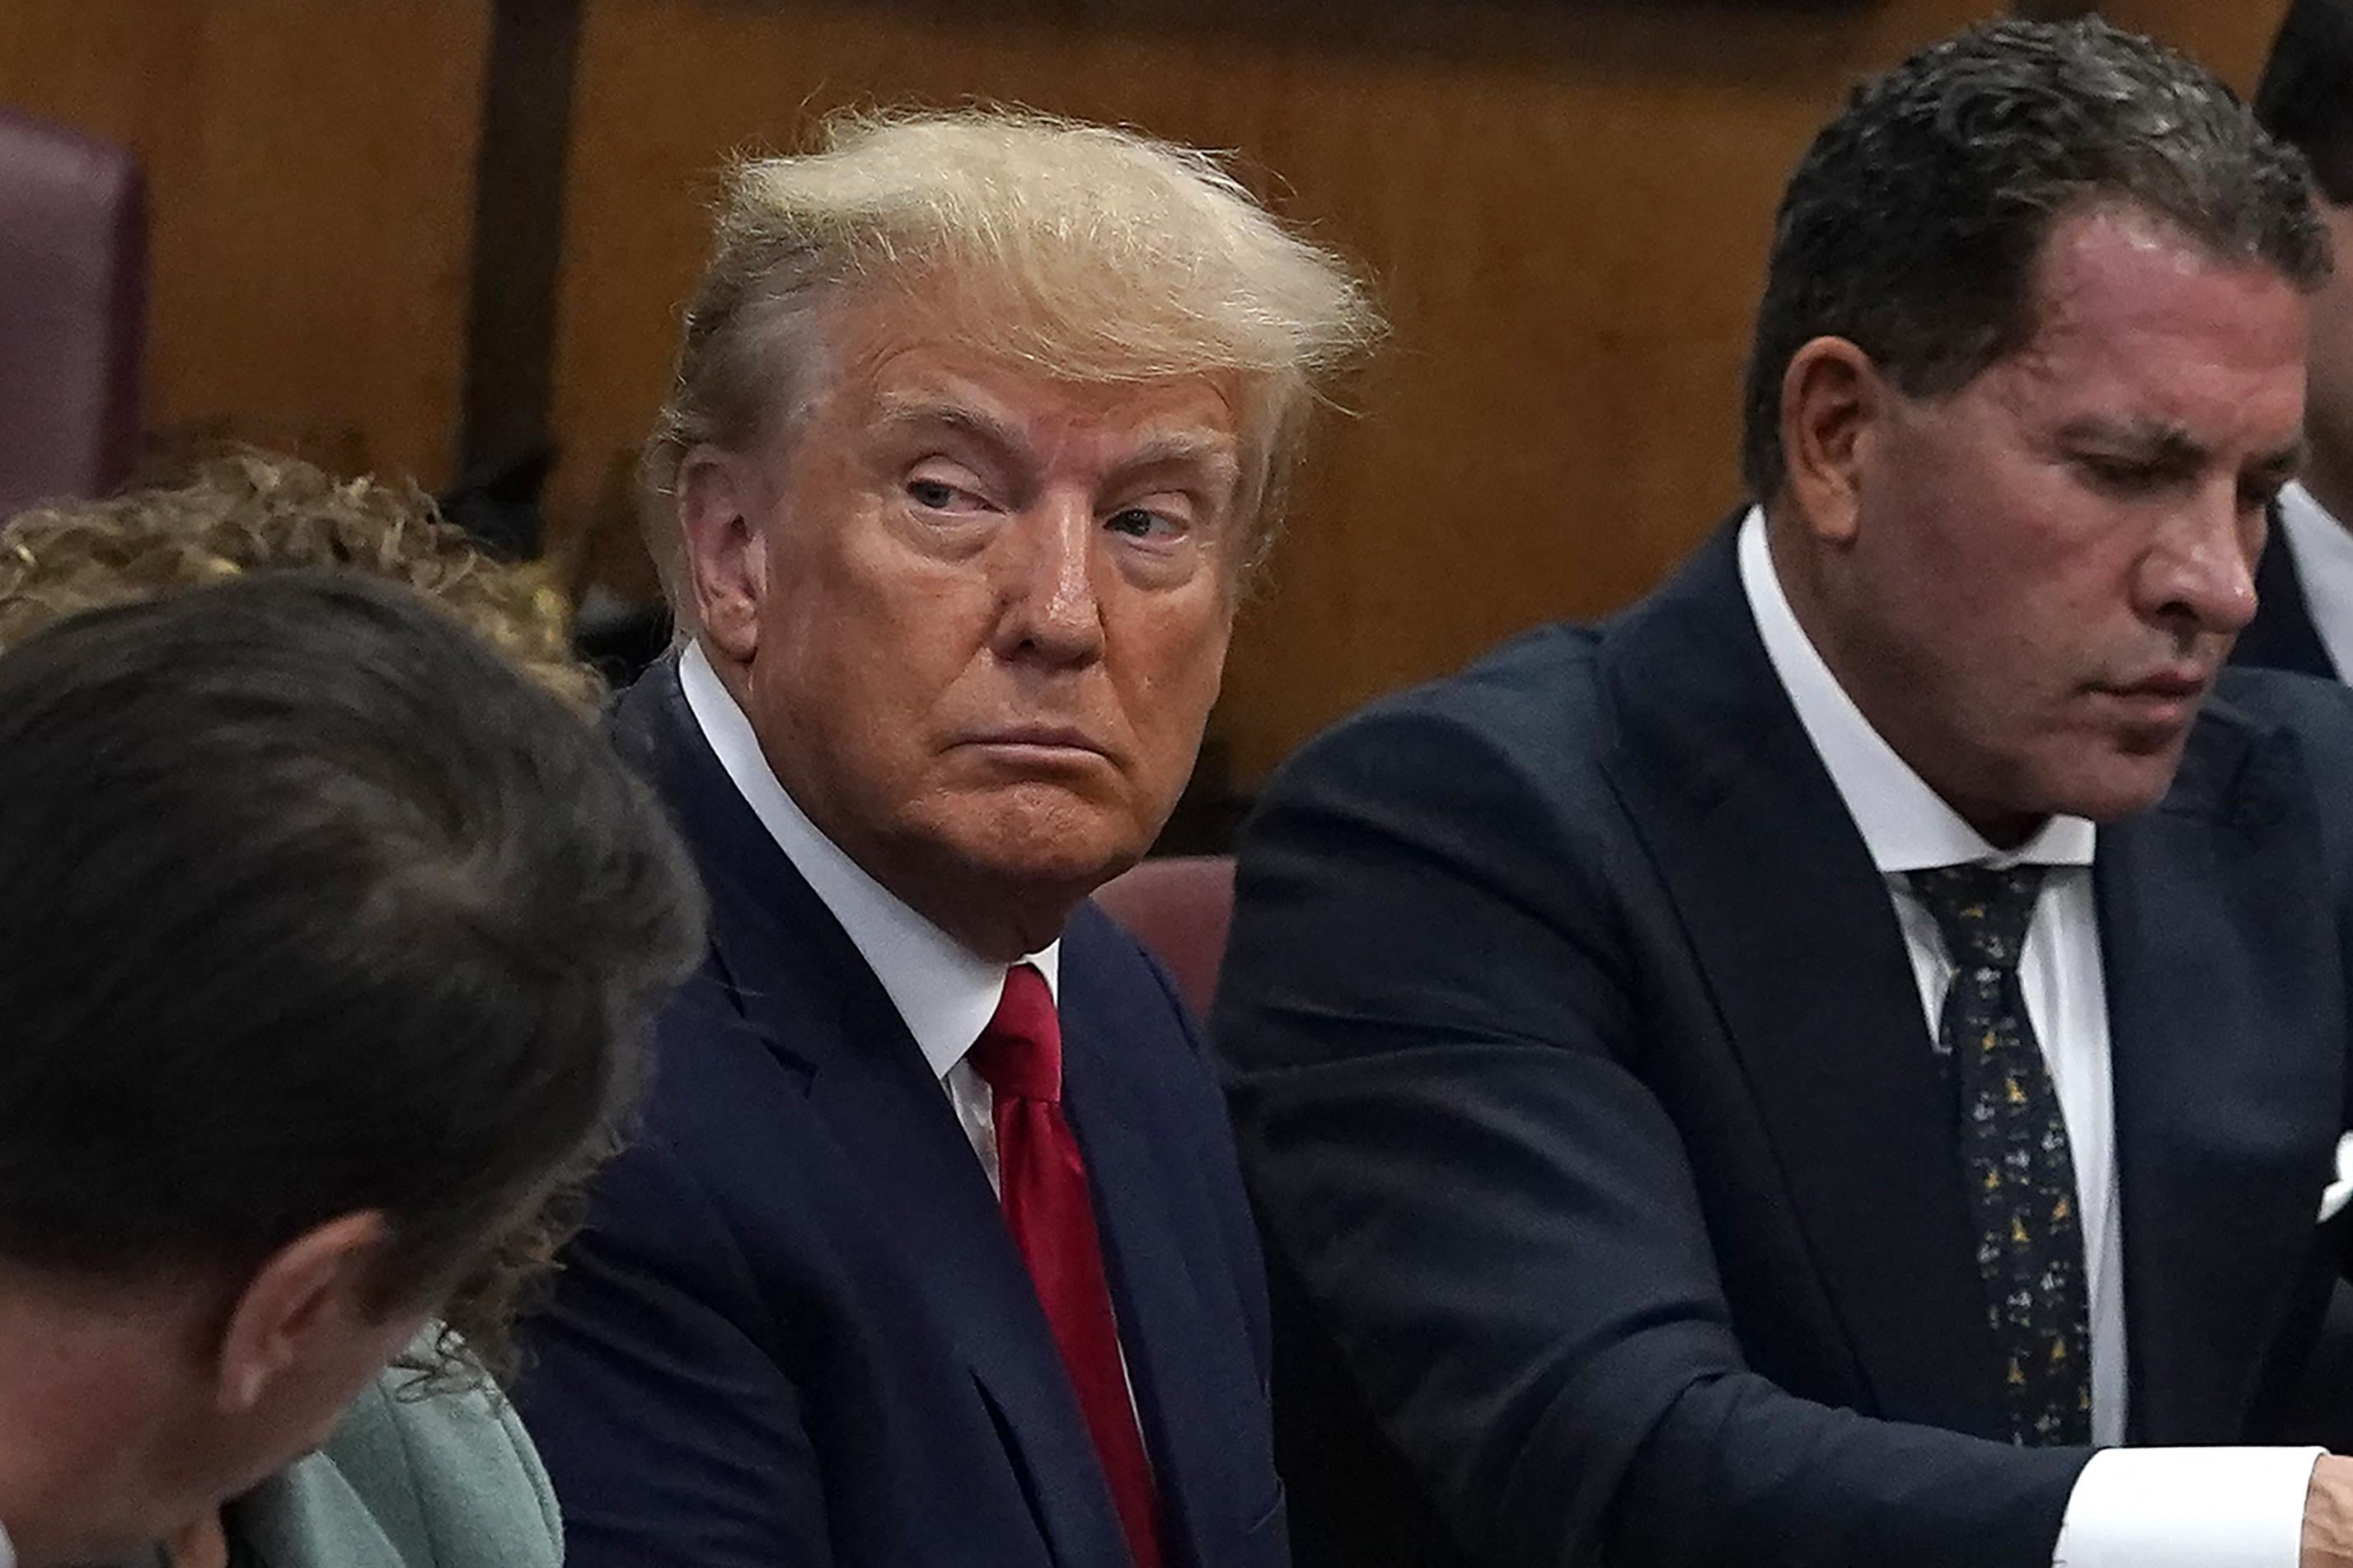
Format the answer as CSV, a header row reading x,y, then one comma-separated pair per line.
x,y
311,175
1565,204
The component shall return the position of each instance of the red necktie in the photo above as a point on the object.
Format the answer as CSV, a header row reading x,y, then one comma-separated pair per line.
x,y
1044,1184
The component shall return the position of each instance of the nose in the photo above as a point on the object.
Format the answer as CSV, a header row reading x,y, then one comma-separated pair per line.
x,y
2199,577
1049,612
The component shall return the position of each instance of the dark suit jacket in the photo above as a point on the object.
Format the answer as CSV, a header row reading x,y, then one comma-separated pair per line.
x,y
795,1330
2282,636
1583,1085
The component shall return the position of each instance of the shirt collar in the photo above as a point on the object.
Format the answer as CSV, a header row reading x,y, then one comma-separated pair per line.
x,y
1905,824
2311,528
945,992
2322,550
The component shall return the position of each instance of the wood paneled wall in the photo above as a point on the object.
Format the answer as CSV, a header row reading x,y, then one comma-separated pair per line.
x,y
311,178
1566,205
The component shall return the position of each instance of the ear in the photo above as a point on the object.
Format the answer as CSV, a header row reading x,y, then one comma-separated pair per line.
x,y
720,503
1832,402
305,1310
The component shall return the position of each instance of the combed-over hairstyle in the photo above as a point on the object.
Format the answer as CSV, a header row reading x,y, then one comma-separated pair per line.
x,y
1914,222
1088,253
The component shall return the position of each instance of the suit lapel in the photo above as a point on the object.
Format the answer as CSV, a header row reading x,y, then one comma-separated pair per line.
x,y
804,985
1173,1369
2227,1096
899,1127
1798,944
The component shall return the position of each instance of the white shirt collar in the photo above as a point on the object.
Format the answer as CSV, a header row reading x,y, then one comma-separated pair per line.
x,y
945,992
1905,824
2322,550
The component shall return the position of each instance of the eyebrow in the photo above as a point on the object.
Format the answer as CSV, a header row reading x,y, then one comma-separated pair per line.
x,y
1181,448
2173,450
1168,449
910,412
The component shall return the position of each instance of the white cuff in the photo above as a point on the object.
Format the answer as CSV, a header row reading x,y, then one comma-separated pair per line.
x,y
2187,1508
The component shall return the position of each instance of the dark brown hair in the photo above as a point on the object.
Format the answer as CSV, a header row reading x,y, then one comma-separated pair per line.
x,y
1912,226
314,905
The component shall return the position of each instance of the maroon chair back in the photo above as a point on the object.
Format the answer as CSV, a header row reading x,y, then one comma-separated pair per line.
x,y
1178,908
73,284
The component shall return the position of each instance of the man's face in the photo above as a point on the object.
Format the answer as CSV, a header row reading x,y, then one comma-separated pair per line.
x,y
2049,566
993,611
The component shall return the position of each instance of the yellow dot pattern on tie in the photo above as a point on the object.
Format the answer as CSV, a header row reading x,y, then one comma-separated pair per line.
x,y
2014,1151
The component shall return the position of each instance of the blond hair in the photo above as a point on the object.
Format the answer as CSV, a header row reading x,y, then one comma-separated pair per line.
x,y
1086,252
247,512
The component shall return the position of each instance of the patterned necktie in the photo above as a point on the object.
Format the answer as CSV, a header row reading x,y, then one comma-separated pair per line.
x,y
2016,1162
1048,1206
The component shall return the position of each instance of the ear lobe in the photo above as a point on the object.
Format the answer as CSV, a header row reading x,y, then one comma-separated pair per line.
x,y
726,553
300,1297
1833,402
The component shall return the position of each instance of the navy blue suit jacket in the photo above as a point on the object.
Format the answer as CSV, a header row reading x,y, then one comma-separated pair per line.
x,y
2283,636
795,1330
1582,1081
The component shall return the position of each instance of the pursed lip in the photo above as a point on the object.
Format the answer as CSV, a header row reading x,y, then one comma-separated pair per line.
x,y
1037,737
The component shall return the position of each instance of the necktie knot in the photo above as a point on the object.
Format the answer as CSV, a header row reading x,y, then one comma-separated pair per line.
x,y
1981,911
1019,1054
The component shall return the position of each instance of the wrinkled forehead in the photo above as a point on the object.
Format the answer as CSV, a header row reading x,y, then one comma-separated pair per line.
x,y
2128,310
2105,271
940,362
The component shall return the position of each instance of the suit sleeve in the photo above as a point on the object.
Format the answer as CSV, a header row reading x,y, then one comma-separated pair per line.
x,y
1436,1039
675,1436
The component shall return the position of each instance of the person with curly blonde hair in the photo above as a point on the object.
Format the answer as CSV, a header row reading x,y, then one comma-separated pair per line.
x,y
248,512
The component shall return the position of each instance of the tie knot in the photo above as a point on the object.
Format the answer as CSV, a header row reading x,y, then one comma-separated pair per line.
x,y
1981,910
1019,1054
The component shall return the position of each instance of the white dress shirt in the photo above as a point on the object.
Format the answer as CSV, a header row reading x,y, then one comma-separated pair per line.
x,y
2323,552
2183,1508
945,993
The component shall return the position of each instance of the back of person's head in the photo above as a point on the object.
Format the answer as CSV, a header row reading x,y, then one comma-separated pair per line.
x,y
250,512
326,943
1912,224
2305,97
1080,252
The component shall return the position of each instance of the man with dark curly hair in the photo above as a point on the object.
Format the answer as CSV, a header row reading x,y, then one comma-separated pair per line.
x,y
1845,1063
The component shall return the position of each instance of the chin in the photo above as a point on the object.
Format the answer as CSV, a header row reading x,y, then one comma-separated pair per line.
x,y
1051,841
2127,788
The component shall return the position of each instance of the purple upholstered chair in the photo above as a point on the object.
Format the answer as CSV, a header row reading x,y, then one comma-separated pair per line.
x,y
73,274
1178,908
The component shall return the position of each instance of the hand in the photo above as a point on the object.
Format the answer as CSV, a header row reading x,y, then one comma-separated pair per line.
x,y
200,1542
2328,1515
